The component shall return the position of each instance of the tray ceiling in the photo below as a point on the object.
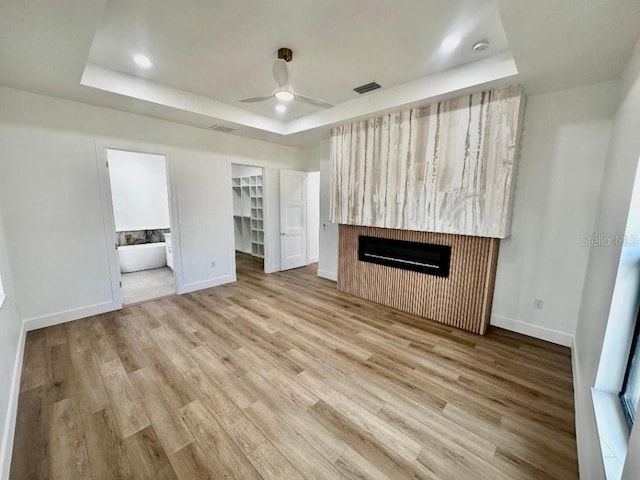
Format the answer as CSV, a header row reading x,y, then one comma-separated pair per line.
x,y
207,54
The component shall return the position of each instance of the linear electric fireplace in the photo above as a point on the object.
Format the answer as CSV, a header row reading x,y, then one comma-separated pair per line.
x,y
415,256
459,291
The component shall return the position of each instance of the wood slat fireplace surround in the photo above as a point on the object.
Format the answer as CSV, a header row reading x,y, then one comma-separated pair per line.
x,y
462,300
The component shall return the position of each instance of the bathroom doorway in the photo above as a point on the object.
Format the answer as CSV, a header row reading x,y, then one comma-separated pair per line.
x,y
140,205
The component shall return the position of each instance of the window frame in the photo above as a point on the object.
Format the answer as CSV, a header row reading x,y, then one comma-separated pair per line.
x,y
626,403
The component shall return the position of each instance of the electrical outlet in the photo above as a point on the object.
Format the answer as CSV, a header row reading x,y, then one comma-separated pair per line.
x,y
213,264
538,303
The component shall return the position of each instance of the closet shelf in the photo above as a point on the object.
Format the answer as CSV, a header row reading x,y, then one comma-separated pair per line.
x,y
248,209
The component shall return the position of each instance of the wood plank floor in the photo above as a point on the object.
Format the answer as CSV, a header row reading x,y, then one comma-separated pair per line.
x,y
281,376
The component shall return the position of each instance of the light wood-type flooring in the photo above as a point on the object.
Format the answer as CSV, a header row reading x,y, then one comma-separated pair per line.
x,y
281,376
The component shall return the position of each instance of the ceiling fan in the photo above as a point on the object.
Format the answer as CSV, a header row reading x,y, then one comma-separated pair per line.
x,y
284,91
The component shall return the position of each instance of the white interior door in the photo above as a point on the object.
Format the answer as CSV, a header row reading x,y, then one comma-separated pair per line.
x,y
293,219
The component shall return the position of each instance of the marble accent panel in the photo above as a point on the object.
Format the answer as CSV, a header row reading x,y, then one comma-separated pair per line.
x,y
448,167
136,237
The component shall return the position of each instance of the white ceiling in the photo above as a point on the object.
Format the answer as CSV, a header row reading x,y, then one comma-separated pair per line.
x,y
209,53
226,50
560,44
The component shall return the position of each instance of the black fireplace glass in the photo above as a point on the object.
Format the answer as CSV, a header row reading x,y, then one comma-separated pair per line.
x,y
426,258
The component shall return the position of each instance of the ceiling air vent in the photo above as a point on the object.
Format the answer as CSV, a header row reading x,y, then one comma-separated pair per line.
x,y
220,128
367,88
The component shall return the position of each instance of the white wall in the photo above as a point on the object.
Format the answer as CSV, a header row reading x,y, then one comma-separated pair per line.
x,y
202,185
564,147
53,219
244,171
317,158
139,190
50,156
11,349
611,219
313,217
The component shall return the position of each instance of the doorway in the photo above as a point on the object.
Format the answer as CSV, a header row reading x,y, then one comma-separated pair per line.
x,y
248,189
142,226
299,218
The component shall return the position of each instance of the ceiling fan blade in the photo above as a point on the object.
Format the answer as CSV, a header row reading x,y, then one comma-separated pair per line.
x,y
313,101
280,72
255,99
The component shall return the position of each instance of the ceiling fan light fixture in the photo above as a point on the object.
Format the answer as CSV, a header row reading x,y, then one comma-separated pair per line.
x,y
280,72
284,95
281,108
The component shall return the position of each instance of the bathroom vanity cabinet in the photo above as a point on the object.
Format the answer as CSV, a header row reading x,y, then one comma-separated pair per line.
x,y
168,250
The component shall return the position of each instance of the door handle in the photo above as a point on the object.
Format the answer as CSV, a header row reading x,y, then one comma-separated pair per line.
x,y
283,234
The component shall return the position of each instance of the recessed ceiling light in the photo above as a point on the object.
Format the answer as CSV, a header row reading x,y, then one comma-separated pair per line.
x,y
284,95
142,61
281,108
480,45
450,43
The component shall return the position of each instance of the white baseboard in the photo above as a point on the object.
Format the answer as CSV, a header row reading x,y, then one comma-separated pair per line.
x,y
68,315
328,275
6,441
213,282
536,331
315,259
272,268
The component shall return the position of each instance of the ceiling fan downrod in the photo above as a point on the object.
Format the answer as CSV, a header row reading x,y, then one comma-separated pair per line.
x,y
285,54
